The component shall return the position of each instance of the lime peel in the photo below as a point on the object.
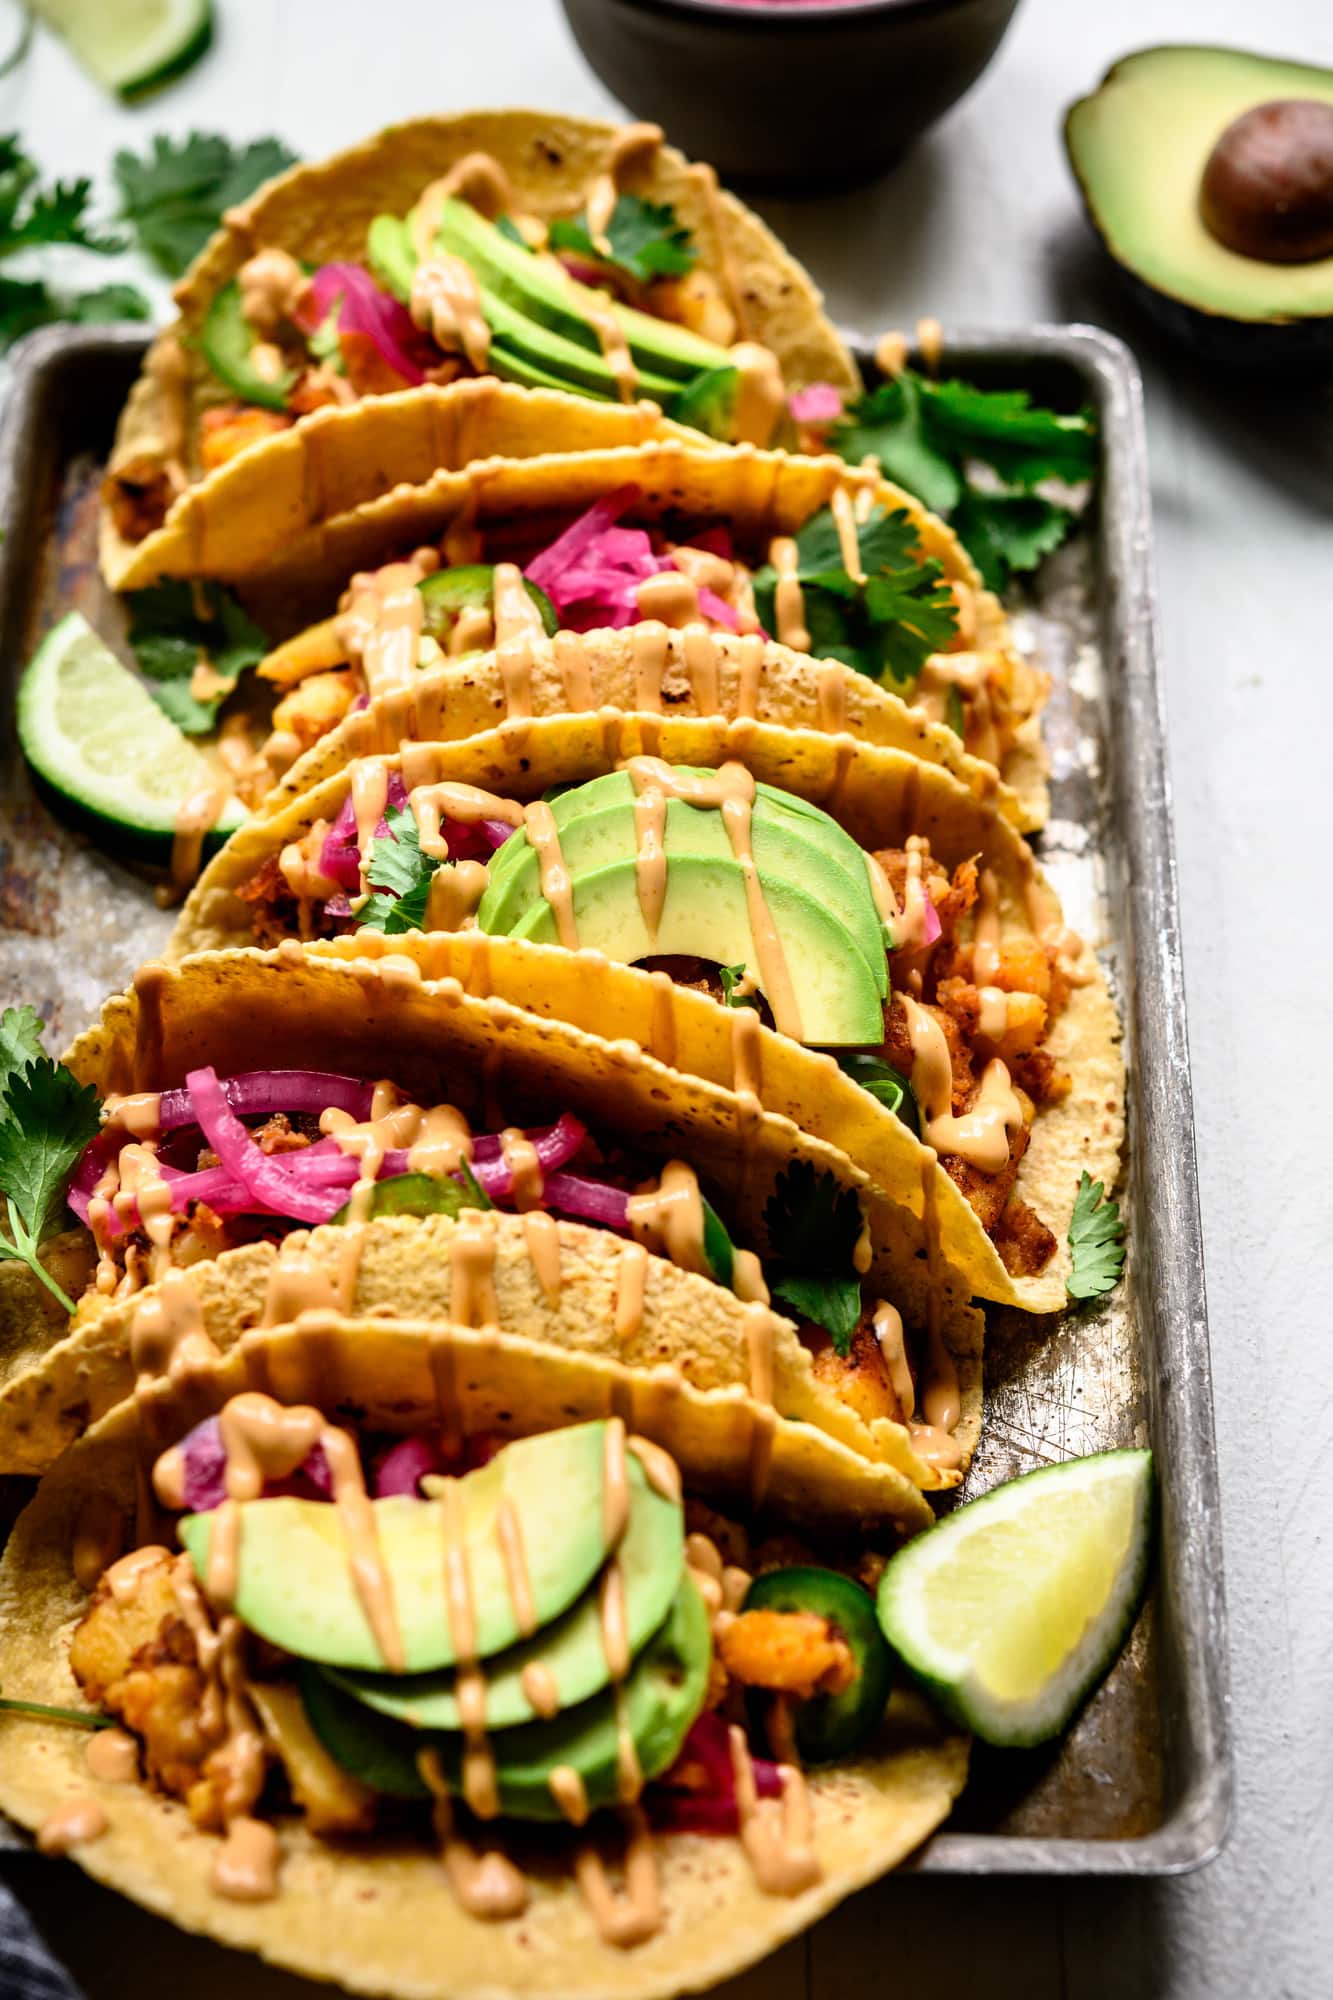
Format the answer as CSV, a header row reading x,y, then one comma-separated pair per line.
x,y
1014,1608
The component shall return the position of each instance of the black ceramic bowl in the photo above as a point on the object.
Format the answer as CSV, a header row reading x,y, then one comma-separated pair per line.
x,y
793,97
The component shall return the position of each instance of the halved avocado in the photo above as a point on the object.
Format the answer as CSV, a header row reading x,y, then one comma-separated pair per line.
x,y
297,1588
572,1651
1140,146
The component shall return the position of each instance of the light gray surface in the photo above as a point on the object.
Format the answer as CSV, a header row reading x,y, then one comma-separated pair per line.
x,y
981,226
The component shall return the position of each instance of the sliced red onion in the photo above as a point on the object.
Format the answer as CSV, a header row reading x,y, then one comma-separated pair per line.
x,y
586,1201
819,403
366,308
496,831
679,1801
273,1189
547,569
934,928
205,1463
405,1465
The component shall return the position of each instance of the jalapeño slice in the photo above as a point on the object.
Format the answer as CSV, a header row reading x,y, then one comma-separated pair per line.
x,y
830,1726
886,1084
228,342
471,587
422,1194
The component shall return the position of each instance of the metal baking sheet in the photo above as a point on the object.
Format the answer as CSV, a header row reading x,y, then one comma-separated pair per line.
x,y
1142,1785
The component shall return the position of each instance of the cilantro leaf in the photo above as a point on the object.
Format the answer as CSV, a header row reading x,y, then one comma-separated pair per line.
x,y
1008,431
731,977
888,625
32,216
1004,532
831,1302
1096,1238
174,196
646,240
889,424
397,867
924,433
27,303
177,626
813,1221
20,1042
48,1120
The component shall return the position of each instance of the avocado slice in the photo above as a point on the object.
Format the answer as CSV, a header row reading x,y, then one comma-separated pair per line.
x,y
706,915
784,851
226,338
1139,146
661,1697
541,291
650,1557
296,1586
525,348
370,1748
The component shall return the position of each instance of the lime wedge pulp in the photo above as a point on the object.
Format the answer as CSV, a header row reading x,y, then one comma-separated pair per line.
x,y
132,46
92,731
1014,1607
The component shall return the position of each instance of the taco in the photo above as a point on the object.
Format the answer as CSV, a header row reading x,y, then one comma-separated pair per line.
x,y
558,253
357,1661
894,636
625,1209
862,901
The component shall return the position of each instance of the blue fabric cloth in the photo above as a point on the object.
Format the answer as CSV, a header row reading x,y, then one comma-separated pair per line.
x,y
27,1969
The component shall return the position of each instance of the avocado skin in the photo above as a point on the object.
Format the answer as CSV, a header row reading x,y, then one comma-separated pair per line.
x,y
1298,346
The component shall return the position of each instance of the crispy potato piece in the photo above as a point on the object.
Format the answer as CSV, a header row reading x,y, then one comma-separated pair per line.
x,y
791,1652
115,1627
233,427
332,1800
316,706
860,1377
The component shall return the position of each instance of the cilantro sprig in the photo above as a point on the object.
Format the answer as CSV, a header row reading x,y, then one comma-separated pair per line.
x,y
646,240
175,195
1096,1238
176,627
887,626
813,1222
37,217
46,1119
399,870
732,977
927,436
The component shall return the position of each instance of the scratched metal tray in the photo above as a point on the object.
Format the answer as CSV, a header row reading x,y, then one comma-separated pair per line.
x,y
1143,1783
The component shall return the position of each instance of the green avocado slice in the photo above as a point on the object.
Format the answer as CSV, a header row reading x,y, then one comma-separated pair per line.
x,y
650,1559
661,1697
296,1586
599,839
534,288
1138,146
227,338
526,347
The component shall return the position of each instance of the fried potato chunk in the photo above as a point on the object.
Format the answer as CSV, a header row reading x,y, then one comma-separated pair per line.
x,y
118,1623
231,428
791,1652
859,1377
316,706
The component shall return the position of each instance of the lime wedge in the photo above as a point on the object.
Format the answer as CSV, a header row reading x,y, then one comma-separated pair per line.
x,y
92,731
1014,1607
132,46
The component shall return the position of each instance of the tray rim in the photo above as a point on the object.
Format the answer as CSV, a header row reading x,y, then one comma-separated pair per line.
x,y
1167,1232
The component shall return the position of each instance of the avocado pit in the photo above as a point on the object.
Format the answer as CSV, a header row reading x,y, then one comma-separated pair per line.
x,y
1267,189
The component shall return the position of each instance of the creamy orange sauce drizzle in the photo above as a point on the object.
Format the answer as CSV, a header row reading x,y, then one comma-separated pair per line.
x,y
701,668
635,1915
649,643
843,510
446,304
196,813
380,620
761,395
731,788
453,799
887,1322
542,1234
112,1756
245,1868
668,596
650,856
541,1689
831,697
476,178
980,1135
891,350
630,151
472,1300
779,1843
631,1273
454,895
669,1218
788,597
556,887
518,626
72,1823
520,1157
575,673
487,1885
168,1339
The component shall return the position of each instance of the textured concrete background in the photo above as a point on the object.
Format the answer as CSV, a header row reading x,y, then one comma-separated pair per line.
x,y
981,227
